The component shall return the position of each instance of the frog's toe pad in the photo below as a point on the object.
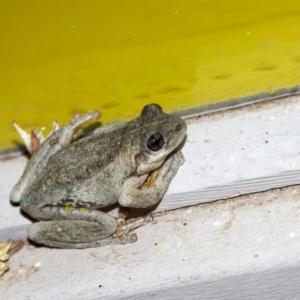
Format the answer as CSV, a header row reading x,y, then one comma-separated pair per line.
x,y
127,238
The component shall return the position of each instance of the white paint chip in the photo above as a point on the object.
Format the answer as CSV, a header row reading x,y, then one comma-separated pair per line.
x,y
292,235
217,223
225,213
21,271
260,239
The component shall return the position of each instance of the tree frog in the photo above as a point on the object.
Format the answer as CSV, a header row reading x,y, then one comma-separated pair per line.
x,y
66,184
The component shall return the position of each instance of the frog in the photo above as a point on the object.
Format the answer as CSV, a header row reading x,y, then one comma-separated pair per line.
x,y
67,184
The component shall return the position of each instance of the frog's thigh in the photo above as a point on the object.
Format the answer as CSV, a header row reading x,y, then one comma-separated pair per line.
x,y
132,196
73,227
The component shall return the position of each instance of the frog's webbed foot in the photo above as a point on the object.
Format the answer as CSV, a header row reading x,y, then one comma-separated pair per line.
x,y
124,227
80,119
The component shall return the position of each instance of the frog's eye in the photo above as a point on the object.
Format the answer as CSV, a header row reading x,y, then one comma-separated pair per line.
x,y
155,142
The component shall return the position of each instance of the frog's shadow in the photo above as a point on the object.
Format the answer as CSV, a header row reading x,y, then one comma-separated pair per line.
x,y
90,128
139,212
132,212
25,214
20,147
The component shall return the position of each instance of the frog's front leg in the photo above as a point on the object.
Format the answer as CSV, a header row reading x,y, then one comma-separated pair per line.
x,y
135,194
76,228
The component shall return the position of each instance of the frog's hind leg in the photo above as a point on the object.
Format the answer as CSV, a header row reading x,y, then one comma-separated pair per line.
x,y
75,228
54,143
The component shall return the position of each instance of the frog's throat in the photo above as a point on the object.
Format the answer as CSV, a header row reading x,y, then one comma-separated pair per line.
x,y
149,167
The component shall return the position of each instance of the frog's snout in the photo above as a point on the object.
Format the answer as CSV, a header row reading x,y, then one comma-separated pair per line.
x,y
178,134
179,130
180,126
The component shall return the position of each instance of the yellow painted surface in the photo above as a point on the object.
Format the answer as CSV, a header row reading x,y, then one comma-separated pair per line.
x,y
59,56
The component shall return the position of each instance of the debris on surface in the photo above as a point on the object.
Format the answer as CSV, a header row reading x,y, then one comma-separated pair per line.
x,y
33,139
7,249
4,256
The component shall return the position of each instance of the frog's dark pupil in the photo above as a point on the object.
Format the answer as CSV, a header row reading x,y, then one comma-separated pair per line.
x,y
155,142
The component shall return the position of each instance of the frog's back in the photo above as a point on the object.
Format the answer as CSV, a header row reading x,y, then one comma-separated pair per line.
x,y
91,170
93,155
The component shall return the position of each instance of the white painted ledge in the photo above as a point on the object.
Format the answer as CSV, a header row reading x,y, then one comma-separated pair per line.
x,y
240,248
243,248
238,151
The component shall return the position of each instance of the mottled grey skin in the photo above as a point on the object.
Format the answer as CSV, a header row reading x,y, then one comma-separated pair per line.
x,y
105,168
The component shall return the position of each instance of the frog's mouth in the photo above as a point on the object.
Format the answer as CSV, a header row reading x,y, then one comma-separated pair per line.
x,y
145,165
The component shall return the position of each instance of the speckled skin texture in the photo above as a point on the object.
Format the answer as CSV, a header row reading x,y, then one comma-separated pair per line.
x,y
105,168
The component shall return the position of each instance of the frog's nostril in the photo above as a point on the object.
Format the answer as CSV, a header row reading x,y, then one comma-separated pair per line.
x,y
178,127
